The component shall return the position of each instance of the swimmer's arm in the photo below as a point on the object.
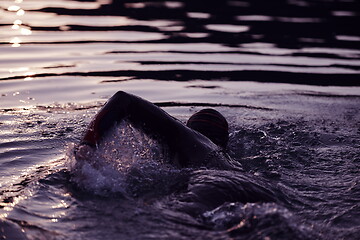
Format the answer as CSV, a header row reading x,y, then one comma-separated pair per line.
x,y
189,146
137,110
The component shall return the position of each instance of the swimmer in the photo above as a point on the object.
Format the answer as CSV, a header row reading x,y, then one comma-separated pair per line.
x,y
201,142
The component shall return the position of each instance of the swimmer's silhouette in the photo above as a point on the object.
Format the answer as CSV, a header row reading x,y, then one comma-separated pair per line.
x,y
201,142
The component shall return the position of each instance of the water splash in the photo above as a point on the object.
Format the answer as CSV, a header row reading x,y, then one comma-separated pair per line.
x,y
127,161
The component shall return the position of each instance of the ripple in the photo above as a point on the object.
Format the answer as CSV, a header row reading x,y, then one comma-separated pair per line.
x,y
227,28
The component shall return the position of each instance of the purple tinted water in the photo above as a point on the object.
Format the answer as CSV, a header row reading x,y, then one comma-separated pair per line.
x,y
284,73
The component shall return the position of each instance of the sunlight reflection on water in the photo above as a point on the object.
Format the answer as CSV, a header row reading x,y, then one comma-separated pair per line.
x,y
17,27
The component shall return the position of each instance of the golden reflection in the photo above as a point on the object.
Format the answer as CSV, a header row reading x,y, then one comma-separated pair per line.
x,y
25,31
28,76
21,12
15,42
64,28
62,204
19,69
17,24
10,206
13,8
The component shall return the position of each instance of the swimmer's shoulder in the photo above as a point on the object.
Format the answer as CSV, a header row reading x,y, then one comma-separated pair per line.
x,y
220,159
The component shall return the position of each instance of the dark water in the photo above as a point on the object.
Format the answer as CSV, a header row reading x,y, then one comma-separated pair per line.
x,y
284,73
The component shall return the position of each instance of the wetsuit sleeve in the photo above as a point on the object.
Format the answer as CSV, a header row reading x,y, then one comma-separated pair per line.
x,y
189,147
137,110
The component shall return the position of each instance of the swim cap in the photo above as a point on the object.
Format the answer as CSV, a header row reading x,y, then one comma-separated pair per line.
x,y
212,124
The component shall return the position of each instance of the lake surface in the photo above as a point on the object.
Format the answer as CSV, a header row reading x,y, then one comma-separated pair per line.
x,y
284,73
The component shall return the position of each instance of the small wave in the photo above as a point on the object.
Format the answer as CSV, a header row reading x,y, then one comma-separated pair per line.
x,y
209,189
256,221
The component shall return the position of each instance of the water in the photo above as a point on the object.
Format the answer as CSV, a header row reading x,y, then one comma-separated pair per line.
x,y
284,73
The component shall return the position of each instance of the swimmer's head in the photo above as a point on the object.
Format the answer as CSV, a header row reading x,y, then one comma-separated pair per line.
x,y
212,124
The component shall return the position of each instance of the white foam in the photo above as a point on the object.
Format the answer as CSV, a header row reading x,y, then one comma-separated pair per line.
x,y
125,160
